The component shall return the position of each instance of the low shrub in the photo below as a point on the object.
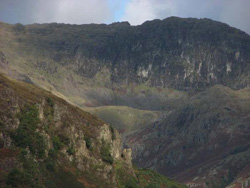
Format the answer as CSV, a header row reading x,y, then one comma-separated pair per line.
x,y
71,150
105,153
18,178
50,165
50,102
53,153
88,142
26,135
112,132
132,183
57,144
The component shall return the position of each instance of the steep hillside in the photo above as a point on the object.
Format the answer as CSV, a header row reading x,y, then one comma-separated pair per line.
x,y
93,64
46,142
125,119
177,88
206,142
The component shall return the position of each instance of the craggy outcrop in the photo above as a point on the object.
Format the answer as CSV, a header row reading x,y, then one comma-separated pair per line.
x,y
46,142
204,143
173,66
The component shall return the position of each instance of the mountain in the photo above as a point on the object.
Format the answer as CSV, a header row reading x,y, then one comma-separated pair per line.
x,y
177,89
125,119
46,142
205,143
103,63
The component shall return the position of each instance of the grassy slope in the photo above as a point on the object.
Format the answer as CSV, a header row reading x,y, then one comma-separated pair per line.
x,y
34,171
32,164
208,134
26,60
80,90
123,118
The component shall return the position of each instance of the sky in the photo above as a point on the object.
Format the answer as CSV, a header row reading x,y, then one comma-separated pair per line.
x,y
236,13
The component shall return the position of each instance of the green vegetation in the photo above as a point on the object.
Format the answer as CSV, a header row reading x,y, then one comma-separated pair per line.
x,y
71,150
153,185
144,178
2,127
223,182
123,118
63,179
36,174
239,149
53,153
125,179
66,59
131,183
105,153
26,134
88,142
50,165
50,102
150,179
27,176
18,178
19,28
1,124
57,143
113,137
36,169
49,112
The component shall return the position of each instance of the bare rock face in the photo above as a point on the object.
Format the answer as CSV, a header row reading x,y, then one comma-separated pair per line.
x,y
5,140
242,180
82,150
116,144
185,54
127,155
208,136
105,134
180,53
65,136
109,135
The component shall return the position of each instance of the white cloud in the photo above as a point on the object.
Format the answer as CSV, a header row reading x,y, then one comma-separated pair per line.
x,y
237,14
72,11
62,11
138,11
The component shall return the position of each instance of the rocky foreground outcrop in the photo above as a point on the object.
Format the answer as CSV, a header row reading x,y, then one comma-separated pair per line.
x,y
171,66
46,142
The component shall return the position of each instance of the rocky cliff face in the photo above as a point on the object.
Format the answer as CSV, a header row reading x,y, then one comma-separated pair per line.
x,y
170,66
46,142
63,131
204,143
175,52
93,65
